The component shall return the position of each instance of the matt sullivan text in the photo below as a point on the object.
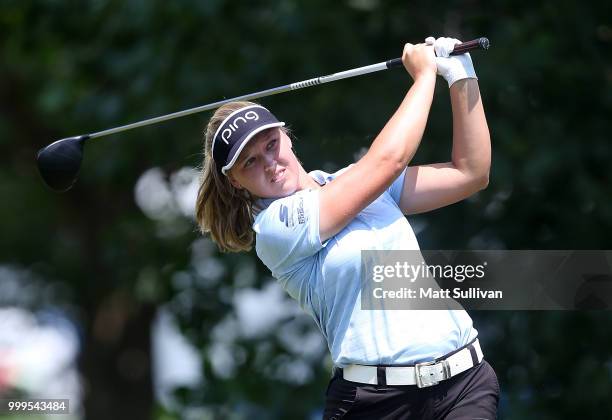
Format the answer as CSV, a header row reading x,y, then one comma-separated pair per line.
x,y
433,293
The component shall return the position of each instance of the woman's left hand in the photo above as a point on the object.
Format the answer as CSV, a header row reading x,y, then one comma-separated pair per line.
x,y
452,68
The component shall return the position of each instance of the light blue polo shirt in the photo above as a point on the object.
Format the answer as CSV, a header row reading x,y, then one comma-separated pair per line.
x,y
325,279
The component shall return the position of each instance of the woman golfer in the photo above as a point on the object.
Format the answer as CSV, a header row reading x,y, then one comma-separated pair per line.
x,y
309,230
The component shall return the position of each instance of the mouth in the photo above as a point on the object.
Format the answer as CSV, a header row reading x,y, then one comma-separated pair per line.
x,y
279,176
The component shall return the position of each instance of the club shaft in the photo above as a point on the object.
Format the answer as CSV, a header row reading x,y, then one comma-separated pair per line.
x,y
268,92
480,43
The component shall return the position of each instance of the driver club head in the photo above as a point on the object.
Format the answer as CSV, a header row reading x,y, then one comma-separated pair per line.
x,y
59,163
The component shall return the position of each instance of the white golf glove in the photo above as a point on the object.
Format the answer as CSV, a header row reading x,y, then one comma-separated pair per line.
x,y
452,68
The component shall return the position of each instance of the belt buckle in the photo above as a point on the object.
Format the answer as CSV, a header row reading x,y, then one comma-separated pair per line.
x,y
430,379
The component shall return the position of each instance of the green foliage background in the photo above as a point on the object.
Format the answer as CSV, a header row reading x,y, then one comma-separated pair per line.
x,y
69,67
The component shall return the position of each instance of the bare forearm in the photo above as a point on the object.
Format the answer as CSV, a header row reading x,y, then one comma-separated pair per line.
x,y
400,138
471,140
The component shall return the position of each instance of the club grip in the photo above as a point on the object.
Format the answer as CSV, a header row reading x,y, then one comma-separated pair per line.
x,y
481,43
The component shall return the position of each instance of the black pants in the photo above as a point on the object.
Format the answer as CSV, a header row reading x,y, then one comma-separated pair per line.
x,y
471,395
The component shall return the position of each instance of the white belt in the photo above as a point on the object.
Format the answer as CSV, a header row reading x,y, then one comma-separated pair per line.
x,y
421,374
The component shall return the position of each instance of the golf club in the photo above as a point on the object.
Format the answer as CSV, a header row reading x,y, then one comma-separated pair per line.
x,y
59,163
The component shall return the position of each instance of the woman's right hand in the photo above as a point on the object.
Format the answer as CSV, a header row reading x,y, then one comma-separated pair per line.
x,y
419,59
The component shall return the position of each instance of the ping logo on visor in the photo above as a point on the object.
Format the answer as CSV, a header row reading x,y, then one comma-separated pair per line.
x,y
235,132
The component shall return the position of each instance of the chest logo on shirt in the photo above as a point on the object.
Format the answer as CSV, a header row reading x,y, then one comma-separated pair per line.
x,y
288,217
283,215
300,211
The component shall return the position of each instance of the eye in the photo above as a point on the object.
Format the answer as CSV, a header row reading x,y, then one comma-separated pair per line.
x,y
271,144
249,162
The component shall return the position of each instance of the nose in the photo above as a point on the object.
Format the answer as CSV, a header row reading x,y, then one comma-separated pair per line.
x,y
269,162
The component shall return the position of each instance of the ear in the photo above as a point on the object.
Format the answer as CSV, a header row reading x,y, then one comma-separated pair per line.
x,y
233,181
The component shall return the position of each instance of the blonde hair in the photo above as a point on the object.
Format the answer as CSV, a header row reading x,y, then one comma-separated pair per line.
x,y
222,210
